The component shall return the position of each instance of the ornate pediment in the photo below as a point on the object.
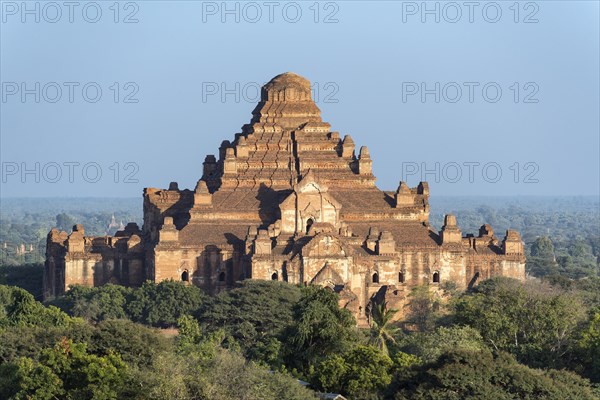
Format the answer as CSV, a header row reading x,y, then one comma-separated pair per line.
x,y
311,211
325,245
327,276
309,203
310,184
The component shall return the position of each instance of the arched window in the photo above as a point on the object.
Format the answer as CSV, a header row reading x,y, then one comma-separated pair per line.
x,y
222,277
274,277
309,224
401,277
185,276
436,277
375,278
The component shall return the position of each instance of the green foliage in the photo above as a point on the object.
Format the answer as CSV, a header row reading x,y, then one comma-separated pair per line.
x,y
331,373
301,329
153,304
403,361
84,375
228,375
96,303
382,329
542,260
422,308
136,344
368,371
27,276
19,308
204,370
255,315
26,379
360,372
162,304
429,346
587,290
227,344
189,332
459,375
123,359
542,247
589,346
320,328
533,321
29,341
65,371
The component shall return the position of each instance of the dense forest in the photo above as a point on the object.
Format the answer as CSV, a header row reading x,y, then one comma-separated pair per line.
x,y
270,340
504,339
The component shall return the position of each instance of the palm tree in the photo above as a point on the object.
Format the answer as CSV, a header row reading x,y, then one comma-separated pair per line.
x,y
382,331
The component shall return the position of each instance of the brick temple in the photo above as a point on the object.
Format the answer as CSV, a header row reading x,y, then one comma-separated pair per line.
x,y
288,199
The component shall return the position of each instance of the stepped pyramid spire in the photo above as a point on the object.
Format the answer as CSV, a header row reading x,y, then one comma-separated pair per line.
x,y
286,138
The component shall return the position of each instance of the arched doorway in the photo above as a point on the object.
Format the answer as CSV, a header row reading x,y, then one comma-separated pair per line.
x,y
436,277
401,277
274,277
375,278
222,277
185,276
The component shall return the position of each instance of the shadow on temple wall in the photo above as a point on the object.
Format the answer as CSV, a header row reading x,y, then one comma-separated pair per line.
x,y
289,246
234,240
215,272
379,297
106,270
435,237
473,281
179,210
115,265
389,199
103,270
268,208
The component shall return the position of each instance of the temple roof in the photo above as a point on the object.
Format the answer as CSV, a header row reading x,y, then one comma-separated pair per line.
x,y
286,145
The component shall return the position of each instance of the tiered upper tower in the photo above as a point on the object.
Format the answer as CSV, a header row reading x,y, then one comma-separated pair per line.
x,y
286,104
285,139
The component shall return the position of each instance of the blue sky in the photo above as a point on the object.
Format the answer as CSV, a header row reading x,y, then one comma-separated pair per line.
x,y
369,63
